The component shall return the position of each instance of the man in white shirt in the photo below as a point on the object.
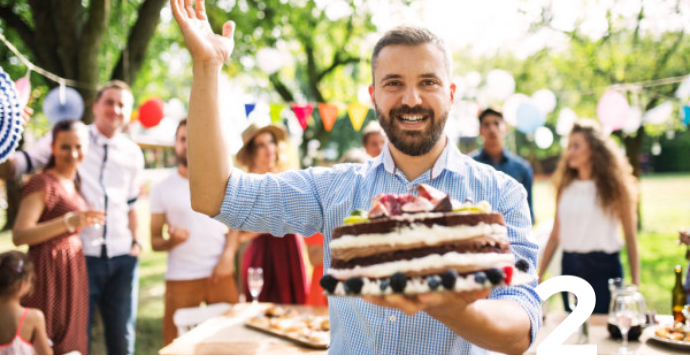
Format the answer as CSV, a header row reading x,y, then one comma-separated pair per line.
x,y
110,180
200,249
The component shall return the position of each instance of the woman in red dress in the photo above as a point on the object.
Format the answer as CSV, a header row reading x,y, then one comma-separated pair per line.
x,y
50,215
282,259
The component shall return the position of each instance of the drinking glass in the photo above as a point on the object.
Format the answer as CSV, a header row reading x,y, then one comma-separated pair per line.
x,y
583,330
256,282
97,205
625,309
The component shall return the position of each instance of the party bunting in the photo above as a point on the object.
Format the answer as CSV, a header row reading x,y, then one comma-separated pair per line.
x,y
274,111
249,108
357,112
329,114
303,112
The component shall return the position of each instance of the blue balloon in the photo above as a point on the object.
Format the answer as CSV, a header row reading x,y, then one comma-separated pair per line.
x,y
71,108
529,118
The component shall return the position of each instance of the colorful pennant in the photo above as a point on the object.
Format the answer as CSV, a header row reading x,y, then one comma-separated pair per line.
x,y
274,111
329,114
249,108
357,112
303,112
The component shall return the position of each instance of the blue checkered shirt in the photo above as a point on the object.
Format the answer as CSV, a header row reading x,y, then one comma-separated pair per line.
x,y
318,199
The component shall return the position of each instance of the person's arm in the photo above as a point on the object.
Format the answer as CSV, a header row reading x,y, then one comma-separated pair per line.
x,y
40,339
177,234
628,216
209,163
226,263
133,224
529,179
28,231
7,168
550,248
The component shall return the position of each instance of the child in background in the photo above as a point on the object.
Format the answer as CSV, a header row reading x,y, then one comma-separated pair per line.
x,y
22,330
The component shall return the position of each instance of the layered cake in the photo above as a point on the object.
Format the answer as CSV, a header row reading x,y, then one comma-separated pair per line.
x,y
422,243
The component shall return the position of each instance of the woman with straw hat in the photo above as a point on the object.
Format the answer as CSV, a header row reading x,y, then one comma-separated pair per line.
x,y
284,270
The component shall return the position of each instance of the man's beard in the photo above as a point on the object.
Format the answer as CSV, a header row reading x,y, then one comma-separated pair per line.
x,y
412,142
181,159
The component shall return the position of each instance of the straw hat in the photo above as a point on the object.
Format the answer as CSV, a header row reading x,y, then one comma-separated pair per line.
x,y
250,133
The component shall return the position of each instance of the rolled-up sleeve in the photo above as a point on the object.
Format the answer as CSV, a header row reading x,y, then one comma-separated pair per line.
x,y
515,209
278,204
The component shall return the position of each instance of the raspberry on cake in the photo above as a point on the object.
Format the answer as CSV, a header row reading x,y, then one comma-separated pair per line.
x,y
417,244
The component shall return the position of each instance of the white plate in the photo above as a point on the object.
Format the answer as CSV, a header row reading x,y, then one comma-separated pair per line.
x,y
673,343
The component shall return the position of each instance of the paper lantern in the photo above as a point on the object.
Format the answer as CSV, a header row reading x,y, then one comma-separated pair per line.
x,y
634,121
151,113
529,118
544,100
659,114
686,115
303,112
510,107
63,103
613,110
543,137
329,114
357,112
566,119
500,84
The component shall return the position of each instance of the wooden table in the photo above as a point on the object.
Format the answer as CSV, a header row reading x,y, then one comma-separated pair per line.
x,y
598,335
227,335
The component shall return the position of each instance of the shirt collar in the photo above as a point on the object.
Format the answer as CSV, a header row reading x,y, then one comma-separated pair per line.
x,y
98,138
486,157
450,159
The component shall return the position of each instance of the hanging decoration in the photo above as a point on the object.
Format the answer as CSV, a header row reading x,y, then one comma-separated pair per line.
x,y
659,114
11,127
329,114
357,112
303,112
274,111
612,110
63,103
249,108
151,112
686,115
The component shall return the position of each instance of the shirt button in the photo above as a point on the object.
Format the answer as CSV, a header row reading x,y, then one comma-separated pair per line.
x,y
392,318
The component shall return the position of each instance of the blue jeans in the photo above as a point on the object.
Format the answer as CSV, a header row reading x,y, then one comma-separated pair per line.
x,y
595,268
114,290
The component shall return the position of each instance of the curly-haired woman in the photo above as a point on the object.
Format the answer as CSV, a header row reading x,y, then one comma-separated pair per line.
x,y
595,195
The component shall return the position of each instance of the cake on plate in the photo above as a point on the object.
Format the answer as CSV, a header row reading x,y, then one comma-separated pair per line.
x,y
422,243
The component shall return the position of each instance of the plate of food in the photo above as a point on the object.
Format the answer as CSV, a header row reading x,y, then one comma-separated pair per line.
x,y
677,335
307,330
412,244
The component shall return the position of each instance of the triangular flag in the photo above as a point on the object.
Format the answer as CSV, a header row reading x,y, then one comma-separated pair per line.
x,y
329,114
249,108
357,112
303,112
274,111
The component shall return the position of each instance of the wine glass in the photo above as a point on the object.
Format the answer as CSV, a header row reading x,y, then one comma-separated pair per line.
x,y
625,310
97,205
256,282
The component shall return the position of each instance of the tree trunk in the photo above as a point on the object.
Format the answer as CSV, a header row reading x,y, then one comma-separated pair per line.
x,y
99,13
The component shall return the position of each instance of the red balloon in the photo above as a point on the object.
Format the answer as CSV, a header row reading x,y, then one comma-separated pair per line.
x,y
151,113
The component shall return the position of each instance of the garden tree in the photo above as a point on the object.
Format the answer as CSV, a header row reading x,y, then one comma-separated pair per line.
x,y
89,42
330,55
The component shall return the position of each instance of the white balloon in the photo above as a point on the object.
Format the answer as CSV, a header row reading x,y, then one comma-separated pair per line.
x,y
566,119
634,121
175,109
500,84
363,96
659,114
656,148
472,79
510,107
544,100
543,137
683,91
269,60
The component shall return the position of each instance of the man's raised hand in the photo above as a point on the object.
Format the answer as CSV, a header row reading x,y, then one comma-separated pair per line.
x,y
205,47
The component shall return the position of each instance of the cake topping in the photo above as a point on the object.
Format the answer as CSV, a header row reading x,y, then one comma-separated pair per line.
x,y
398,282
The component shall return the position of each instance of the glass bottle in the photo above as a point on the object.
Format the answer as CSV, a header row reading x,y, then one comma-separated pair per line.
x,y
678,297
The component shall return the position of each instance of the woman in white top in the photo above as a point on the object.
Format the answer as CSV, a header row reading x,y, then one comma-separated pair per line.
x,y
595,195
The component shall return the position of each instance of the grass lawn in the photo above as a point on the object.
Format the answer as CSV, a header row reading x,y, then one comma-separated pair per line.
x,y
665,207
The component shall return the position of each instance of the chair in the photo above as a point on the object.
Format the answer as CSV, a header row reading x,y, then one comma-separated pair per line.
x,y
187,318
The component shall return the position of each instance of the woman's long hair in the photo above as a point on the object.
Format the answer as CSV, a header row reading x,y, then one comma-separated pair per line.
x,y
67,125
611,171
281,164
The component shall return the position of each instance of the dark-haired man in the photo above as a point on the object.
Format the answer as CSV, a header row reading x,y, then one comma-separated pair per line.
x,y
492,129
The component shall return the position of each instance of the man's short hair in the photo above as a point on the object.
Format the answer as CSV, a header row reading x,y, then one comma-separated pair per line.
x,y
370,129
410,35
113,84
489,111
182,123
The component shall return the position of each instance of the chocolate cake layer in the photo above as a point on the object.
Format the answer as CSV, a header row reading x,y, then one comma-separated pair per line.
x,y
391,224
462,245
399,255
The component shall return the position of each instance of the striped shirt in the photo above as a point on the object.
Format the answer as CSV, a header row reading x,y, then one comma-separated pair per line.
x,y
318,199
